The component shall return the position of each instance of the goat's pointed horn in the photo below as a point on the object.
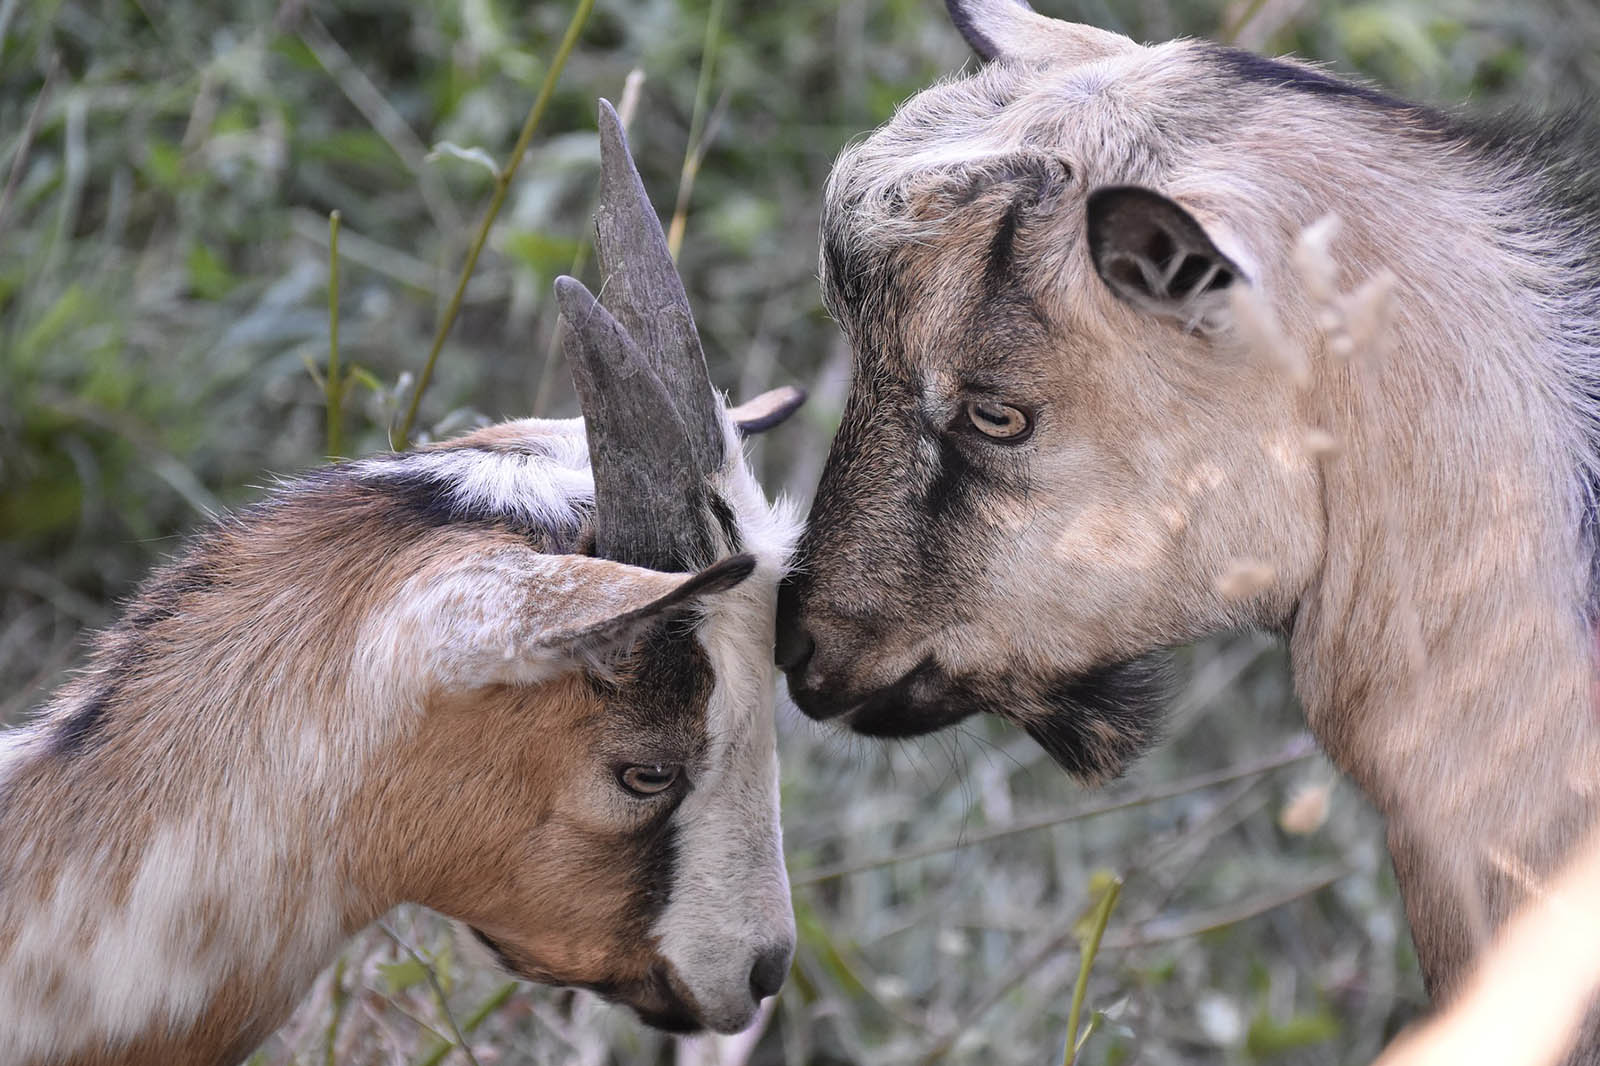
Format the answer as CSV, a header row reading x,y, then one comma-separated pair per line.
x,y
647,484
643,290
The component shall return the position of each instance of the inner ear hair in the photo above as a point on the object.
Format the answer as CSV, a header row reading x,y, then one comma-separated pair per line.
x,y
1152,253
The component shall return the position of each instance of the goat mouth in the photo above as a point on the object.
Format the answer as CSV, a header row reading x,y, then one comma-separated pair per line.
x,y
654,999
1091,722
919,702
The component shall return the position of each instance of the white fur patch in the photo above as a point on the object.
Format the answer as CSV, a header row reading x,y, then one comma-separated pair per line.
x,y
84,971
542,488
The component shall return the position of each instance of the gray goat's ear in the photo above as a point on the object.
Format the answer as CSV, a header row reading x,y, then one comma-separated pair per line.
x,y
772,408
1155,255
1010,29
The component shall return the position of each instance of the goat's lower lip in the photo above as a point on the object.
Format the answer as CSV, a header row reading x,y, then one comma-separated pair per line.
x,y
910,706
655,1001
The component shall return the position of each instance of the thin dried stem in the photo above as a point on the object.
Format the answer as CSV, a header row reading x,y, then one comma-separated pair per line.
x,y
438,991
28,133
1297,750
494,1002
502,185
333,384
692,153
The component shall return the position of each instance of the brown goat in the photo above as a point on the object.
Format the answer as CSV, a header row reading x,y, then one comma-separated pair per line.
x,y
481,677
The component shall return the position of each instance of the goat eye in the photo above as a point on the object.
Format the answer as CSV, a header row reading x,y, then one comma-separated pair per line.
x,y
648,780
999,420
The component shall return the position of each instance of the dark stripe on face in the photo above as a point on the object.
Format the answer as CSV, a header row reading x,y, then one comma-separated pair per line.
x,y
997,267
655,868
949,486
1252,69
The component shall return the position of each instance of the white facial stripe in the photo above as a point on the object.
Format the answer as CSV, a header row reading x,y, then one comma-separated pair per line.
x,y
730,898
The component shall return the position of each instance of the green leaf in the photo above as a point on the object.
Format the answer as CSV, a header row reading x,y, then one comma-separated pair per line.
x,y
1268,1037
70,307
399,976
208,277
1101,882
360,375
163,163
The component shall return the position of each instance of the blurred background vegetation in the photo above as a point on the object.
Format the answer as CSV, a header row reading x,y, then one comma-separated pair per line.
x,y
168,168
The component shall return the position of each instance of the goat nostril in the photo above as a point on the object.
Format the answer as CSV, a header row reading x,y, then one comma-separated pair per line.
x,y
794,644
766,976
794,648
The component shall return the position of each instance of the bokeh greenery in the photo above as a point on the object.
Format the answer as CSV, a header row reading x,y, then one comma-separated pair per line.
x,y
168,167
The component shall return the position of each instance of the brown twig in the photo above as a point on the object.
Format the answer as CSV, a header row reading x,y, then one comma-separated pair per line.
x,y
1298,749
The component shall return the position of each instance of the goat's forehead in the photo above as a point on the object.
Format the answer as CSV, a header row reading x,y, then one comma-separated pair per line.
x,y
1007,107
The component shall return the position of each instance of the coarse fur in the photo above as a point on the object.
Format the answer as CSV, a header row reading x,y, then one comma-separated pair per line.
x,y
402,679
1080,229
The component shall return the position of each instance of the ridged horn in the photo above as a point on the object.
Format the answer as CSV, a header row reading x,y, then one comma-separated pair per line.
x,y
1010,29
648,483
643,290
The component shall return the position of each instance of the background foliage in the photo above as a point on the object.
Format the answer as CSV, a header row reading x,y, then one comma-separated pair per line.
x,y
168,168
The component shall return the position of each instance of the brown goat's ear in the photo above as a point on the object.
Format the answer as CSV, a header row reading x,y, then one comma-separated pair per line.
x,y
617,604
1153,254
772,408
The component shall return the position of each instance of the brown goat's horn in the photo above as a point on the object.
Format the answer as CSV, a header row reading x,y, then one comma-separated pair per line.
x,y
643,290
647,483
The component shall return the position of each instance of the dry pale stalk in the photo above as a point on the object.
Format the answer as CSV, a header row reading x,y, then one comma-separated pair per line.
x,y
1525,1001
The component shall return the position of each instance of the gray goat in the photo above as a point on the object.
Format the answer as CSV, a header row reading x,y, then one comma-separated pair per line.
x,y
1117,387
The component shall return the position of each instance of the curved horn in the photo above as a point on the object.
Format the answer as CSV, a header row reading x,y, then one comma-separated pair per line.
x,y
643,289
1010,29
647,482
